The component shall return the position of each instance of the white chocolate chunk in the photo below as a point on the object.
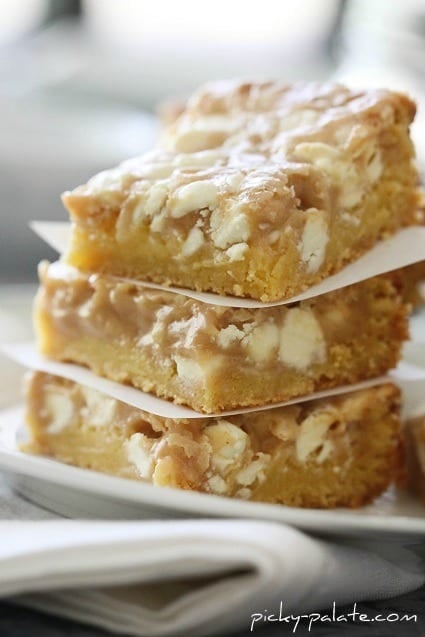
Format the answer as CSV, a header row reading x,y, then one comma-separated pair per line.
x,y
194,241
274,236
139,453
152,199
318,153
203,133
194,196
237,251
255,471
228,444
191,371
234,181
146,340
217,485
314,239
263,342
60,409
106,180
188,369
160,170
202,159
244,493
312,434
191,140
229,335
158,328
227,231
351,193
285,427
324,453
332,161
329,159
157,196
158,222
301,339
99,409
374,168
85,310
350,218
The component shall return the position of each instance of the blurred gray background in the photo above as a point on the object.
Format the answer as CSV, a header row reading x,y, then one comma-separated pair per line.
x,y
80,81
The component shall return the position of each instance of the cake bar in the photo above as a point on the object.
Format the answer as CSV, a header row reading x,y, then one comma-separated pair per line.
x,y
262,191
414,284
414,443
216,358
342,451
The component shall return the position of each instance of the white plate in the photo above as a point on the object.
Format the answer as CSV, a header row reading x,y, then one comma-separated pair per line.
x,y
82,493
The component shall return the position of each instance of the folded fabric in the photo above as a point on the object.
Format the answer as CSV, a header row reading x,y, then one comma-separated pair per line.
x,y
196,577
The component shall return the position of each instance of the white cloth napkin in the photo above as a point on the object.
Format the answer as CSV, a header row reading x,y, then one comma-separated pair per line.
x,y
188,577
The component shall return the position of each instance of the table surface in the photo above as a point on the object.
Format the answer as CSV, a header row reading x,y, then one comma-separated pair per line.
x,y
15,325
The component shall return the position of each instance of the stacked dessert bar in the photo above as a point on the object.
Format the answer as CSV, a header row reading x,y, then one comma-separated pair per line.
x,y
257,191
414,284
